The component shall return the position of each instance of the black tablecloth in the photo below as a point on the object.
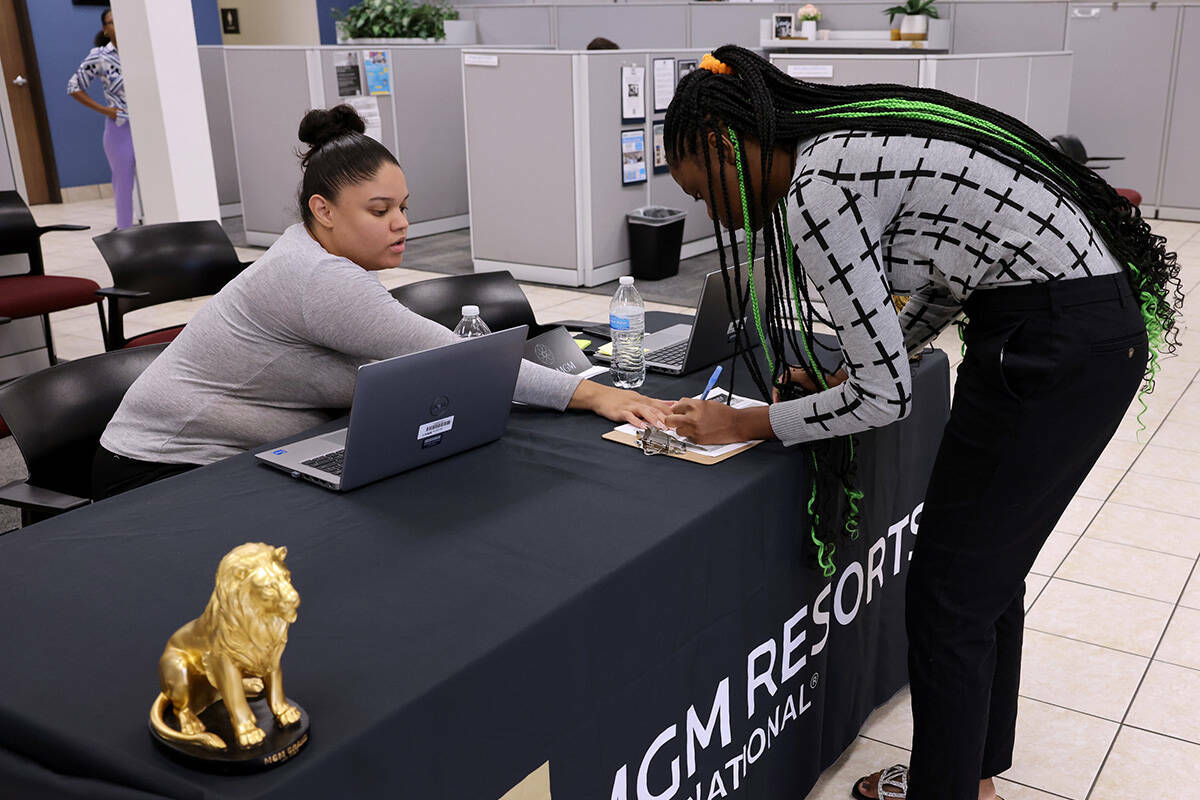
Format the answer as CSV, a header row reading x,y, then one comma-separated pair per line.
x,y
551,596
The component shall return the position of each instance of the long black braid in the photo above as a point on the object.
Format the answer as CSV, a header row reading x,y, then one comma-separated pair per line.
x,y
748,95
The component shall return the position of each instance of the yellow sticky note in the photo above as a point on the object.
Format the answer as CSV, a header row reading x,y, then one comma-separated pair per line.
x,y
584,344
606,350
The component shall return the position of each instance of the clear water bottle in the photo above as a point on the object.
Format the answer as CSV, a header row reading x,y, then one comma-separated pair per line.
x,y
471,325
627,324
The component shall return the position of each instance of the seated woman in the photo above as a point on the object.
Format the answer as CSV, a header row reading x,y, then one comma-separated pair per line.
x,y
280,345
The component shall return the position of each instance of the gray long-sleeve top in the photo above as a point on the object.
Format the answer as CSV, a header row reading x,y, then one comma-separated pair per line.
x,y
273,353
871,215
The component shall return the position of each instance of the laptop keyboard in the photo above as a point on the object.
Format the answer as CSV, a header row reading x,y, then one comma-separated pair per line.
x,y
330,462
672,355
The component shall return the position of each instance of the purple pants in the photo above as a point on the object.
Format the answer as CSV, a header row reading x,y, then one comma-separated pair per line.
x,y
118,146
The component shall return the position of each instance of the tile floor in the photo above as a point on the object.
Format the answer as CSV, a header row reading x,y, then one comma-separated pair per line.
x,y
1111,675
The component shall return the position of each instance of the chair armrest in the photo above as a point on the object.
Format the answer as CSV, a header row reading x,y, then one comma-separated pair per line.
x,y
64,227
35,498
4,320
113,291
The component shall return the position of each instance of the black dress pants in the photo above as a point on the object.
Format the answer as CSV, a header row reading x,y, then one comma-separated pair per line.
x,y
1049,372
113,474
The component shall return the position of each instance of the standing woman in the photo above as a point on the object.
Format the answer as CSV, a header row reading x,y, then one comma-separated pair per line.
x,y
874,190
104,62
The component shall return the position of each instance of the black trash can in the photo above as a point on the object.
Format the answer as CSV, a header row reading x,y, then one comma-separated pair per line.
x,y
655,236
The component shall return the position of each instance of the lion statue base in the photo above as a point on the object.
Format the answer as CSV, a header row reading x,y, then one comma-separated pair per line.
x,y
213,665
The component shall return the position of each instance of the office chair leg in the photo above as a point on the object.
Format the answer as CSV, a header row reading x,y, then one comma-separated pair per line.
x,y
49,339
103,325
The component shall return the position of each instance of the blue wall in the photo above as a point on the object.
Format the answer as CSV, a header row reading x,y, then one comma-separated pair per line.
x,y
62,36
325,17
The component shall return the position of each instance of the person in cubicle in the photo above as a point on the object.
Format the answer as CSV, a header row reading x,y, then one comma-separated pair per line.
x,y
280,344
866,191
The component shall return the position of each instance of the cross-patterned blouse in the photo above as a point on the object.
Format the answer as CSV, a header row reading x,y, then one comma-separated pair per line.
x,y
873,214
104,63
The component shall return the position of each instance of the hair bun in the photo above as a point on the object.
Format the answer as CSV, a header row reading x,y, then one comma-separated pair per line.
x,y
320,125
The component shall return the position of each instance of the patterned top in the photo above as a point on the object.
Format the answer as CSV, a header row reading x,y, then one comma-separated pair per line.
x,y
873,214
105,63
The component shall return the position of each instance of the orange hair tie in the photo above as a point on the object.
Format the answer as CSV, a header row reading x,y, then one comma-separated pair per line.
x,y
710,63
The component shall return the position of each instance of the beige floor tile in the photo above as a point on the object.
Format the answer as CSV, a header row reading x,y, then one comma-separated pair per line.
x,y
1159,576
1130,430
1079,676
1146,766
1181,643
1079,513
891,723
1164,462
1099,616
73,347
1167,701
860,759
1034,584
1015,791
1058,750
1053,552
1191,595
1179,435
1151,530
1119,455
1100,482
1159,494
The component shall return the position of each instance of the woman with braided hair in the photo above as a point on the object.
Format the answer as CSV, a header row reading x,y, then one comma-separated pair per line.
x,y
874,190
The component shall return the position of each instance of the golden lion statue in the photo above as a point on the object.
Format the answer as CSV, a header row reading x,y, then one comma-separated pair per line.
x,y
238,640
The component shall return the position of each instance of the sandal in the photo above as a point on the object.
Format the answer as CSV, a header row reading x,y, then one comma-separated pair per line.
x,y
893,785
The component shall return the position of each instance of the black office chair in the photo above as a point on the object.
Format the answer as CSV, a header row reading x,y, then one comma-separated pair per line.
x,y
36,294
154,264
57,416
501,302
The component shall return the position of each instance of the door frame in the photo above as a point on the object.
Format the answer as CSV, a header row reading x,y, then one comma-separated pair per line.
x,y
41,119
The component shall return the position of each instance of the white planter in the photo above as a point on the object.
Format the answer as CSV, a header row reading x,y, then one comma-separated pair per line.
x,y
386,41
808,29
914,27
460,31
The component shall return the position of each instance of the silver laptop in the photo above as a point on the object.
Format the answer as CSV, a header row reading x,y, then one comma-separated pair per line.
x,y
410,410
682,349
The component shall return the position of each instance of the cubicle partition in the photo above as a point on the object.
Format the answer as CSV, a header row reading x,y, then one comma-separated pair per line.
x,y
270,88
1033,87
545,169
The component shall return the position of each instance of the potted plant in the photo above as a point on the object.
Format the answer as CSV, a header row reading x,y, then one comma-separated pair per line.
x,y
914,25
808,16
400,22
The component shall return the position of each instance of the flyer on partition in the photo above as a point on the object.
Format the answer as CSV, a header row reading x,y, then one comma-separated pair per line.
x,y
378,69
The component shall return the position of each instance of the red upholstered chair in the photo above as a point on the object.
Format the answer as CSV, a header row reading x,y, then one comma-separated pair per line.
x,y
36,294
155,264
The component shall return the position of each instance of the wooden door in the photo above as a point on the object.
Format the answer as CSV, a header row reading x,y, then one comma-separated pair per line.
x,y
28,107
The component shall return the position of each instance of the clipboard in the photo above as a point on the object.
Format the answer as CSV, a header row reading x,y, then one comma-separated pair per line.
x,y
696,458
627,437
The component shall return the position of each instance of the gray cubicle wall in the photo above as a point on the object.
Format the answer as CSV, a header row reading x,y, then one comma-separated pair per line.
x,y
559,217
270,89
220,128
1033,87
1180,193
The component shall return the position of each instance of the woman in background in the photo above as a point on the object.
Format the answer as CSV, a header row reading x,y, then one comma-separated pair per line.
x,y
104,63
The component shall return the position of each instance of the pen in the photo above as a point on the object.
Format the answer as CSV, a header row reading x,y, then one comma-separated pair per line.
x,y
711,382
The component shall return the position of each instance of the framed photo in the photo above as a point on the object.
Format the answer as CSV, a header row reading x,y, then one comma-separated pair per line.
x,y
633,156
686,66
633,94
781,24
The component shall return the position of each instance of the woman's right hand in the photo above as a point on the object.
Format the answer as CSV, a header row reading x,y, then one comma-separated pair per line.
x,y
110,112
798,376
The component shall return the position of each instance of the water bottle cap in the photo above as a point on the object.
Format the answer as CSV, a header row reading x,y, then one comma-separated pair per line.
x,y
627,280
470,311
